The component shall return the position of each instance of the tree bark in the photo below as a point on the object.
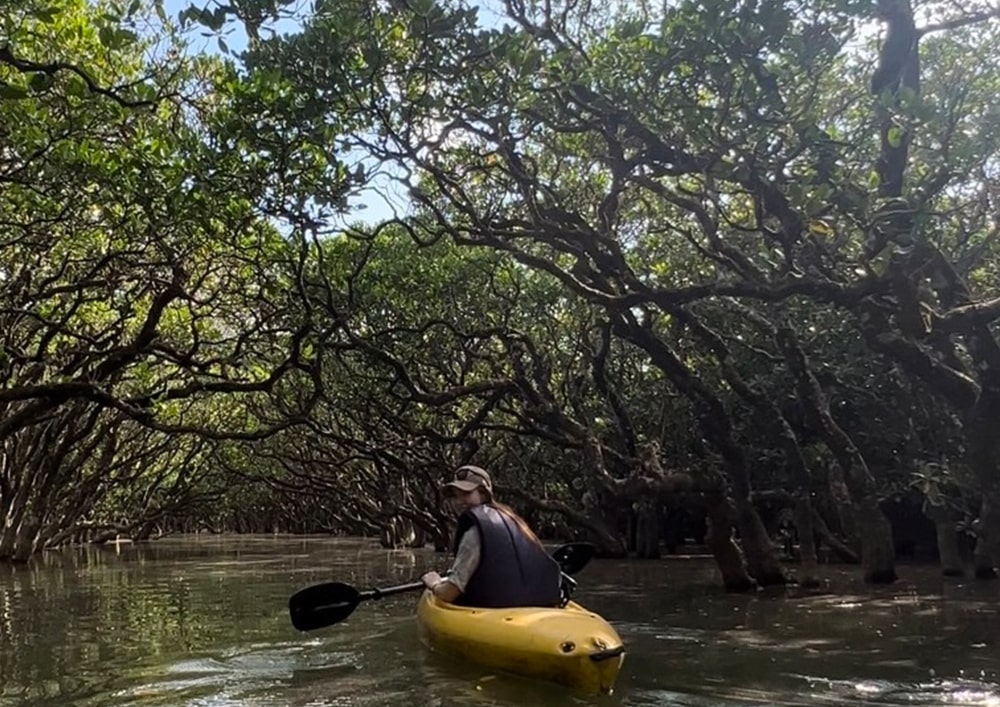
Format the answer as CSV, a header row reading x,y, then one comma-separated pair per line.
x,y
877,551
765,406
419,536
24,541
944,519
982,557
842,551
647,530
808,563
984,456
387,536
761,558
878,555
722,544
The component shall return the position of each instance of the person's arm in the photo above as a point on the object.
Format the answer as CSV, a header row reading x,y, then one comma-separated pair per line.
x,y
442,587
450,588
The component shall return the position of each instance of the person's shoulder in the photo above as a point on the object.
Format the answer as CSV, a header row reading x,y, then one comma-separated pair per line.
x,y
472,537
482,511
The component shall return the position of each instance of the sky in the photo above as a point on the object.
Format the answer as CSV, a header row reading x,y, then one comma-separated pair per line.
x,y
385,197
382,199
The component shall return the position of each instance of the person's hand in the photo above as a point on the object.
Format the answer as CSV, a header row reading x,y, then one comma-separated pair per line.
x,y
430,579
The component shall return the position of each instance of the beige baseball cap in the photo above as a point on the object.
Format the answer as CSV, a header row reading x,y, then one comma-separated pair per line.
x,y
468,478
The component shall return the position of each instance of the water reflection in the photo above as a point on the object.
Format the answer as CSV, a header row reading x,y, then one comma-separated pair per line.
x,y
203,621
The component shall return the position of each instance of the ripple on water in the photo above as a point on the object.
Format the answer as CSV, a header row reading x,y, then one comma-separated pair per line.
x,y
204,624
833,693
971,693
241,675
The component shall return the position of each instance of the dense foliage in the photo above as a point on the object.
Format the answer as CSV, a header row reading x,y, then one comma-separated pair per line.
x,y
721,271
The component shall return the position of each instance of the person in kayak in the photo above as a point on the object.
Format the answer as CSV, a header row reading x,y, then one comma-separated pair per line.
x,y
499,562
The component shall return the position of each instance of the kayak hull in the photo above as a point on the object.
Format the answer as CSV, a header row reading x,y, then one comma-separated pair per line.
x,y
570,646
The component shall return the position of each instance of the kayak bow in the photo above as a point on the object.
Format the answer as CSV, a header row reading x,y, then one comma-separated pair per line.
x,y
570,646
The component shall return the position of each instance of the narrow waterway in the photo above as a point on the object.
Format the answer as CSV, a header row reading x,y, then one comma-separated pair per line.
x,y
202,622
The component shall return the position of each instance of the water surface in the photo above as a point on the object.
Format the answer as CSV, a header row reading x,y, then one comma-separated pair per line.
x,y
202,622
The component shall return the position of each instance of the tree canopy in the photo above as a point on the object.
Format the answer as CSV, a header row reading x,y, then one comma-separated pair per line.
x,y
726,264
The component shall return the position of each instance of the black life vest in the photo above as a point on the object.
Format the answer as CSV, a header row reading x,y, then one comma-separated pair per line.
x,y
513,570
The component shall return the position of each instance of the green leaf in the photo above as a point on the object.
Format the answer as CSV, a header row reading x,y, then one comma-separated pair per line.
x,y
124,37
213,20
895,136
146,92
40,82
76,87
633,28
46,15
12,92
106,35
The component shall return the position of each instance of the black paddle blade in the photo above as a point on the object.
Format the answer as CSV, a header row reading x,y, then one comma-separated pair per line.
x,y
322,605
573,557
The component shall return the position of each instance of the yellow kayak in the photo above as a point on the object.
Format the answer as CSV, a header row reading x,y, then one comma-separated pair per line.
x,y
570,646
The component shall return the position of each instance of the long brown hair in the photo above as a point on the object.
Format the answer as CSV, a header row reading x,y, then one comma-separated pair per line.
x,y
512,514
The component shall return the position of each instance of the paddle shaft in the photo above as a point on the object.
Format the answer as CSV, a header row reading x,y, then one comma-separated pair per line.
x,y
326,604
378,593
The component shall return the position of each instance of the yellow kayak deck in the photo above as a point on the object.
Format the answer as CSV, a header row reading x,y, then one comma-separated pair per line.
x,y
570,646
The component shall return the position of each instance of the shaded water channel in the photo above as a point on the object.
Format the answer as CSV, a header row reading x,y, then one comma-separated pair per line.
x,y
203,622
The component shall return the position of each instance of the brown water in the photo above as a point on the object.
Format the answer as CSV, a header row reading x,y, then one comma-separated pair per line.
x,y
202,622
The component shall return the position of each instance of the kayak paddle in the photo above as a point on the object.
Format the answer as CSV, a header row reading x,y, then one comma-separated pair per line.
x,y
325,604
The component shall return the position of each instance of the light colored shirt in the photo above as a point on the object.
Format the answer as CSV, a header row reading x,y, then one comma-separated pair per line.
x,y
466,559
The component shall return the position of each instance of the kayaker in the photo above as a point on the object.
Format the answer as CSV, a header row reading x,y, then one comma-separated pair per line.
x,y
499,562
